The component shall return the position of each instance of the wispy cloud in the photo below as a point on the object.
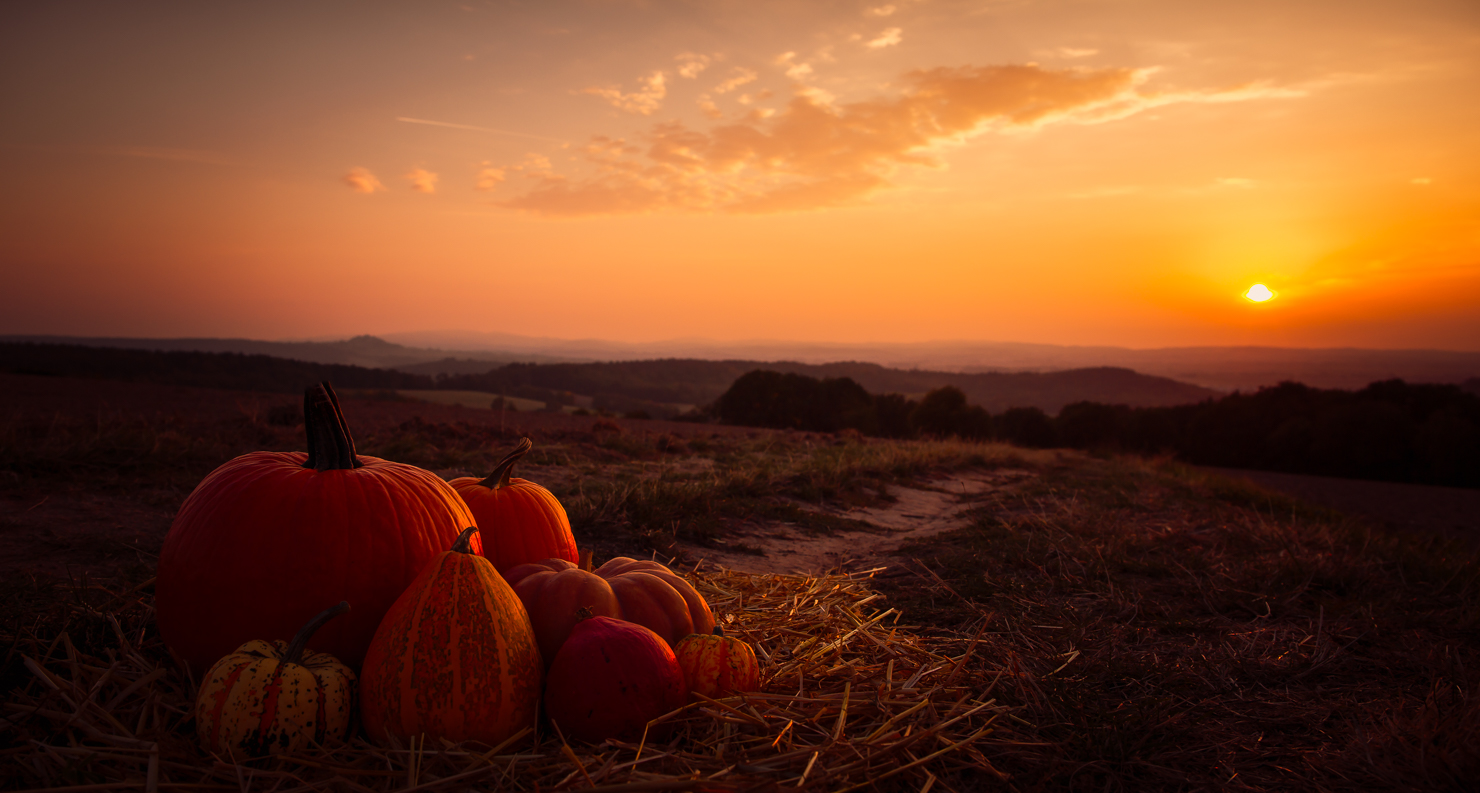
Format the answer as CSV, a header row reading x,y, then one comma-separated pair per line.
x,y
362,181
1234,181
1422,180
490,178
882,11
162,153
690,64
813,153
708,107
794,70
738,76
422,181
1113,191
478,129
888,38
644,101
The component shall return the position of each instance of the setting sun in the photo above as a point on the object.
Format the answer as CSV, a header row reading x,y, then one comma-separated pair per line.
x,y
1259,293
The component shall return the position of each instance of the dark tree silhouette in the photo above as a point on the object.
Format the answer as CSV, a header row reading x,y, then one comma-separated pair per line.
x,y
1028,427
944,412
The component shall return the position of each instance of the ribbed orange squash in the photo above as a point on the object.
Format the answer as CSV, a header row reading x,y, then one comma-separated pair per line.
x,y
455,657
520,521
646,593
275,698
716,664
269,538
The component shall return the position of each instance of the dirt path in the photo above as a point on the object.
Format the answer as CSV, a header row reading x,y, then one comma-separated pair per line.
x,y
937,506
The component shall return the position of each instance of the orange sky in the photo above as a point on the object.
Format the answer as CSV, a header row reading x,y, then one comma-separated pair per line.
x,y
1098,172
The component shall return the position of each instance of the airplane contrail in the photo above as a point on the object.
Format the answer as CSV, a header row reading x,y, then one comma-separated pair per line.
x,y
479,129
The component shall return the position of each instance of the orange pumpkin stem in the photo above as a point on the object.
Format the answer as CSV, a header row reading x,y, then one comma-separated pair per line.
x,y
505,468
330,446
300,640
464,541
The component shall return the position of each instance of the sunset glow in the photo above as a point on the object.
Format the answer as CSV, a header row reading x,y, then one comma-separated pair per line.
x,y
1058,171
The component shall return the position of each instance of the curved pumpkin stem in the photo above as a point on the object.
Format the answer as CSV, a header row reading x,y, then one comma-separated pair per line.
x,y
330,446
505,468
464,541
294,654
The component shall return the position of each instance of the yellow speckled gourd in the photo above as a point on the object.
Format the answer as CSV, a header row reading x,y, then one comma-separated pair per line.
x,y
275,698
716,664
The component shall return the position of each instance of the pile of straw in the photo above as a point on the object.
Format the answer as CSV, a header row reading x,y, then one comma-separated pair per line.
x,y
851,698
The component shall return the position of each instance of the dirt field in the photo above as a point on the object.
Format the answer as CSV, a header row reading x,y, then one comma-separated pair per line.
x,y
64,527
1141,625
1452,511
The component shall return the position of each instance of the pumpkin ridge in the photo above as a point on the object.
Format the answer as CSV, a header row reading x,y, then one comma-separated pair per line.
x,y
442,652
271,692
428,640
219,697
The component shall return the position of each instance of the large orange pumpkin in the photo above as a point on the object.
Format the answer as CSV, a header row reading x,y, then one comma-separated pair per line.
x,y
555,592
520,521
275,697
454,658
269,539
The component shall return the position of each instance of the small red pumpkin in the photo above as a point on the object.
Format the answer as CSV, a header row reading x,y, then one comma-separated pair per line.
x,y
647,593
715,664
454,658
611,678
274,697
521,521
268,537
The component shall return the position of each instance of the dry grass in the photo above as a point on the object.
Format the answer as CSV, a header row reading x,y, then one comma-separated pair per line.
x,y
1127,625
853,697
1168,631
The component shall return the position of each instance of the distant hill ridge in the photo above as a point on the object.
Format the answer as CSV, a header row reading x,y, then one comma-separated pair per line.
x,y
364,350
1245,368
616,384
698,382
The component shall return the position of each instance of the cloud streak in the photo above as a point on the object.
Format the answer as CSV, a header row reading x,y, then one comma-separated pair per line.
x,y
451,125
362,181
422,180
814,154
644,101
888,38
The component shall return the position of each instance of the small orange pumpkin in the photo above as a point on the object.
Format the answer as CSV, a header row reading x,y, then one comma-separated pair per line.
x,y
454,658
715,664
521,521
646,593
274,697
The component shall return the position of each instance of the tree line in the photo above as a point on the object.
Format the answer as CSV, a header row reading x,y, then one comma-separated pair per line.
x,y
1390,430
230,370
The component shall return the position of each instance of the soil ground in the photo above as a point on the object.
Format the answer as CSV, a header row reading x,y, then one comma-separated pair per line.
x,y
1454,511
65,526
1149,627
